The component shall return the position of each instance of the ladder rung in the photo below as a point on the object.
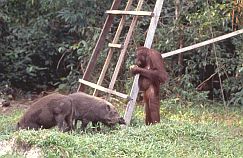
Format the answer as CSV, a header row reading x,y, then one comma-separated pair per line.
x,y
93,85
113,45
123,12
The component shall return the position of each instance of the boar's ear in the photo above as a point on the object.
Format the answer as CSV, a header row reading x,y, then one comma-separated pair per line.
x,y
108,107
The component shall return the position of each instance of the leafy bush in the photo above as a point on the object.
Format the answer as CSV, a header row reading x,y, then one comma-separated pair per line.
x,y
36,30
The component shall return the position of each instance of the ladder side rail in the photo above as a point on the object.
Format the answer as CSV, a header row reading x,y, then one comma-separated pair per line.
x,y
148,43
123,51
110,53
99,44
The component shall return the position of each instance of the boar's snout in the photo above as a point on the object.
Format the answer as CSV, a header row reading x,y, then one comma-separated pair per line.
x,y
121,121
112,121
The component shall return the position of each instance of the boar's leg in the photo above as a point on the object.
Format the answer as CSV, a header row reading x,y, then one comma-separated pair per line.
x,y
75,123
60,122
84,124
96,125
17,127
33,126
69,122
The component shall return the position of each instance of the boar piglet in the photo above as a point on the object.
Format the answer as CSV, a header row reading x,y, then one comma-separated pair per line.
x,y
49,111
88,108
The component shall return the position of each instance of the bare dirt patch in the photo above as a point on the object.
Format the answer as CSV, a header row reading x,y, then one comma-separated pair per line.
x,y
9,147
14,105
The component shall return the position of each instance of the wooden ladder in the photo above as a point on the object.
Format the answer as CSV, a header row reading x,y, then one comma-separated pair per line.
x,y
114,45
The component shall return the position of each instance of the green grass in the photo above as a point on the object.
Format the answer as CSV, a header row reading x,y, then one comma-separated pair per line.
x,y
8,123
190,130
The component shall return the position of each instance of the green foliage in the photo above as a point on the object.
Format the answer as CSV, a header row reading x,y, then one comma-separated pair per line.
x,y
34,32
8,123
237,98
200,21
233,85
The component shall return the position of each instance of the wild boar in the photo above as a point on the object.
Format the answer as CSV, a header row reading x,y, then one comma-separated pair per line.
x,y
93,109
49,111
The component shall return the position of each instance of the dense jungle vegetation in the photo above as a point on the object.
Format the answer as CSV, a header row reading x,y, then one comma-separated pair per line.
x,y
46,45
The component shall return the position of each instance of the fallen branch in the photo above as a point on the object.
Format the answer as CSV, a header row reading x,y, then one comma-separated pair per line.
x,y
206,80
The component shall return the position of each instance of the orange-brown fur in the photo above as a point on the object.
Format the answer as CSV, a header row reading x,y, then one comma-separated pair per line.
x,y
150,66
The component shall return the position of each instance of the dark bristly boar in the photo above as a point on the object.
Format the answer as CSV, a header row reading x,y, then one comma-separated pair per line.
x,y
49,111
88,108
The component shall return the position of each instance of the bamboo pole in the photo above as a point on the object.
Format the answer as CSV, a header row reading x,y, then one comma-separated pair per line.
x,y
220,38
